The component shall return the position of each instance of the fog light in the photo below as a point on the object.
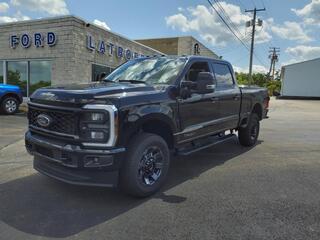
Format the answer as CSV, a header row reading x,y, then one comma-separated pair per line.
x,y
98,161
97,116
97,135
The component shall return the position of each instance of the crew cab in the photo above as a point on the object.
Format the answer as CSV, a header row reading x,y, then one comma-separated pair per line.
x,y
122,131
10,98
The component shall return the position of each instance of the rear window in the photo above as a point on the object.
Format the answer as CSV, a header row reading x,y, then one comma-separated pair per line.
x,y
223,75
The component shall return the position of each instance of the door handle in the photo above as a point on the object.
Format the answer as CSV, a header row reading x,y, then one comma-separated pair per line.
x,y
236,98
214,99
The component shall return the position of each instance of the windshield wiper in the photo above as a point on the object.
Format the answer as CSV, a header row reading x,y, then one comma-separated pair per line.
x,y
132,81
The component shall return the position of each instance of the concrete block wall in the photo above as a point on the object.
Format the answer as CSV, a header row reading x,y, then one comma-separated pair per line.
x,y
71,60
186,47
59,54
84,58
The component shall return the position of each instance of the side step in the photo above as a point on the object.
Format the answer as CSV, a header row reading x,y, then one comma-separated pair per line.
x,y
203,144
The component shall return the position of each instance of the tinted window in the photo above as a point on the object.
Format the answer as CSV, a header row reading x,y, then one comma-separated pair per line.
x,y
195,69
223,75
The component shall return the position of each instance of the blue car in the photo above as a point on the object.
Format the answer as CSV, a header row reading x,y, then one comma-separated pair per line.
x,y
10,98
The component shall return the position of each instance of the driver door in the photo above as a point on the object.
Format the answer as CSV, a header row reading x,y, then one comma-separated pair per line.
x,y
199,112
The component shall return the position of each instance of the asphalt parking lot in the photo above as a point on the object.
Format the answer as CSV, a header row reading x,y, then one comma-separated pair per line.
x,y
270,191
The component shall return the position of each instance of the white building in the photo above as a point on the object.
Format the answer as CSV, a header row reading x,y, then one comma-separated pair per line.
x,y
301,79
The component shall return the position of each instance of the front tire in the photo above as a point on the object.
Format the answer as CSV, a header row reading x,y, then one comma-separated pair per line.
x,y
248,136
9,105
146,165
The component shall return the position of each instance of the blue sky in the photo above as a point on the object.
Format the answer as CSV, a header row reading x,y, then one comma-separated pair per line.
x,y
292,25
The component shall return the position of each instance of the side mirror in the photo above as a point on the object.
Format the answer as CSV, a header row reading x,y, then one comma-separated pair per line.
x,y
101,76
205,83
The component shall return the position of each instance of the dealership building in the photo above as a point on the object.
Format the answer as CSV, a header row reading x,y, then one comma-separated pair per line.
x,y
68,49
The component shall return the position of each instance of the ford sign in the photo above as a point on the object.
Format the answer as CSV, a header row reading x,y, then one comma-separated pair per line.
x,y
44,120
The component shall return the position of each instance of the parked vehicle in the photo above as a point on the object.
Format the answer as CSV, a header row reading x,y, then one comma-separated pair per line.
x,y
10,98
122,131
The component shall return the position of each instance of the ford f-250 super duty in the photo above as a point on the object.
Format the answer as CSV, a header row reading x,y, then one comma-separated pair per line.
x,y
123,130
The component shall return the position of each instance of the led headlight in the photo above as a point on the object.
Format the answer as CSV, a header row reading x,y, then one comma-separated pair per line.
x,y
96,116
97,135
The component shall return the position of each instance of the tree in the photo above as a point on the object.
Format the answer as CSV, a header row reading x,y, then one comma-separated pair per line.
x,y
260,80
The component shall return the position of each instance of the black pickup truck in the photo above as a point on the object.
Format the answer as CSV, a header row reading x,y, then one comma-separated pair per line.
x,y
122,131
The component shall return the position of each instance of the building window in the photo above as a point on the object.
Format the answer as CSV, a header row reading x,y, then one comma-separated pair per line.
x,y
40,75
1,71
28,75
100,71
17,74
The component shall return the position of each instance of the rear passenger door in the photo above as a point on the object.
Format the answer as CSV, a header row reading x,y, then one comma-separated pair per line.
x,y
228,94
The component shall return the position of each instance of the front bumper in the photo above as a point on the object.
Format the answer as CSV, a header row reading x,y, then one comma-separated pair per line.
x,y
74,164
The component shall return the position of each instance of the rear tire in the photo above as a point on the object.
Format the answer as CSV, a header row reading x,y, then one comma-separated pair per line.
x,y
248,136
146,165
9,105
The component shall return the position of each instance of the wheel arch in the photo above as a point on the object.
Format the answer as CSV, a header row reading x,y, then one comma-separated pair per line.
x,y
10,94
257,109
156,123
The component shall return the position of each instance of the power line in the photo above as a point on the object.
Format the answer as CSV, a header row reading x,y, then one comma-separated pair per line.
x,y
235,27
222,19
231,29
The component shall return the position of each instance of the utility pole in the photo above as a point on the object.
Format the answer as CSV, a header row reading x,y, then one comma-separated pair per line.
x,y
253,23
274,57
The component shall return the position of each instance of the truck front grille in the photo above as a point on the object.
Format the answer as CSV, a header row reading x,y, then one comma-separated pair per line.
x,y
63,122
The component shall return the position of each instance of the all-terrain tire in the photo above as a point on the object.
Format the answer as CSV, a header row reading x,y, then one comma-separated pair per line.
x,y
138,165
248,136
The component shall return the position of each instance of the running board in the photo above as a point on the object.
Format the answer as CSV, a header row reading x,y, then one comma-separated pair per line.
x,y
214,140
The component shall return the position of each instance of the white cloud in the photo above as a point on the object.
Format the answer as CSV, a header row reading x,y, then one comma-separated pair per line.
x,y
291,31
4,7
301,53
255,69
16,17
209,26
101,24
310,12
52,7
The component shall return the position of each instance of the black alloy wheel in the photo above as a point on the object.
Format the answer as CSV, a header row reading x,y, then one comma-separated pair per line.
x,y
146,165
151,165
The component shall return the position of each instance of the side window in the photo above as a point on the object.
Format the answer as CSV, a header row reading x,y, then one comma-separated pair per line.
x,y
195,69
223,75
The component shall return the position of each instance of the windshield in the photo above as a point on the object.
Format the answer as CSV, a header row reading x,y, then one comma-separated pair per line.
x,y
161,70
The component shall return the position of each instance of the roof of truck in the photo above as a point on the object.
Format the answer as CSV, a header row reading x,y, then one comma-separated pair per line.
x,y
189,57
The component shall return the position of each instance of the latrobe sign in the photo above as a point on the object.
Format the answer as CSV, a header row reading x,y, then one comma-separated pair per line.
x,y
37,39
107,47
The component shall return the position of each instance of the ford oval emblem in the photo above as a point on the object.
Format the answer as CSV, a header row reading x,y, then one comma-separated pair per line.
x,y
44,120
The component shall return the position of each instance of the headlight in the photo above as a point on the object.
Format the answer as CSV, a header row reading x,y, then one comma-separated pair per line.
x,y
99,125
94,117
97,135
94,126
97,116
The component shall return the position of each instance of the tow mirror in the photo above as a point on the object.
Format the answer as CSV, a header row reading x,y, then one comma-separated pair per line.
x,y
205,83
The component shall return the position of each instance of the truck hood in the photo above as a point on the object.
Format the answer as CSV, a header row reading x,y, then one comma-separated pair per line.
x,y
84,93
